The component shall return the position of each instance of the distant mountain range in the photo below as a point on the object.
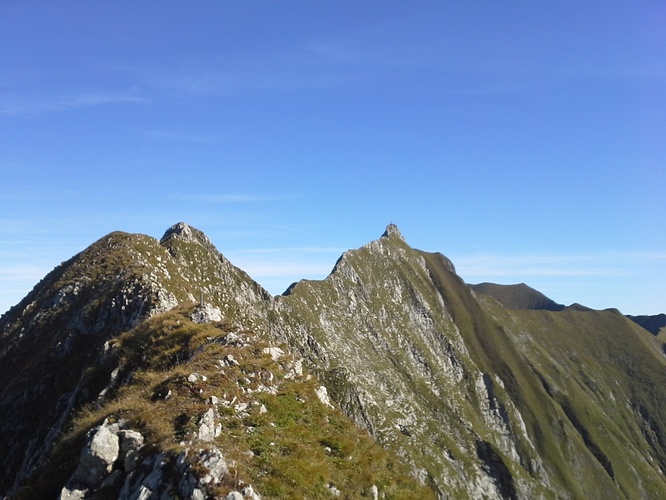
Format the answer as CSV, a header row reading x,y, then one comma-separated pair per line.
x,y
518,296
653,324
146,368
521,296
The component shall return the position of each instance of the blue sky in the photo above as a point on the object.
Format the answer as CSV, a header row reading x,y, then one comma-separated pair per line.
x,y
524,140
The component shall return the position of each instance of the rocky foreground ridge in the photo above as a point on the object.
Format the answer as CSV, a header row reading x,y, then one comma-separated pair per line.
x,y
391,378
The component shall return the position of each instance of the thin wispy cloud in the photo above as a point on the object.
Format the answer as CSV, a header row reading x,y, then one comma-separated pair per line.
x,y
263,75
17,280
259,269
291,251
23,273
231,198
606,264
164,136
26,106
276,268
29,193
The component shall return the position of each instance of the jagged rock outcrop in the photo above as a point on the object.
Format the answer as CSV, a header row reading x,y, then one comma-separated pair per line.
x,y
111,464
109,453
479,400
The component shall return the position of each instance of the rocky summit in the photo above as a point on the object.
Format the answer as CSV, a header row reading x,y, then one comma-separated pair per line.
x,y
146,368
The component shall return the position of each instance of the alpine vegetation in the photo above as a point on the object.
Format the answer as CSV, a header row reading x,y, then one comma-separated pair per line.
x,y
146,368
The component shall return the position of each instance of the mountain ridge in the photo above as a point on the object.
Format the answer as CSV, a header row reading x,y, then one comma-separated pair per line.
x,y
519,296
652,323
471,394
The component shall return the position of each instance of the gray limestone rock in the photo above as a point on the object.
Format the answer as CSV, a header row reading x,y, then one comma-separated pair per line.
x,y
97,457
206,313
72,494
130,443
214,463
322,394
248,492
207,427
196,377
274,352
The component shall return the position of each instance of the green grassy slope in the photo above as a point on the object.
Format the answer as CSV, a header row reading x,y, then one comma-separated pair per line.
x,y
606,375
413,367
389,321
518,296
275,433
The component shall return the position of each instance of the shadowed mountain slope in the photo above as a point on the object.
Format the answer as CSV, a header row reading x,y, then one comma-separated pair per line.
x,y
518,296
477,398
652,324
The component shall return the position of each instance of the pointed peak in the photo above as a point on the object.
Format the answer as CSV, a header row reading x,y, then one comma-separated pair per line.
x,y
187,233
392,231
180,229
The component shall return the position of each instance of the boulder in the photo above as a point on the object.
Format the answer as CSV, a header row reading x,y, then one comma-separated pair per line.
x,y
208,430
322,394
206,313
97,457
274,352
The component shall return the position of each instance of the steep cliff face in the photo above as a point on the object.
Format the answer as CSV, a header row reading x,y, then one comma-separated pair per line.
x,y
479,401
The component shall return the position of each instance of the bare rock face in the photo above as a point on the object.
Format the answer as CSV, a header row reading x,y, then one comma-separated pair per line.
x,y
200,470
